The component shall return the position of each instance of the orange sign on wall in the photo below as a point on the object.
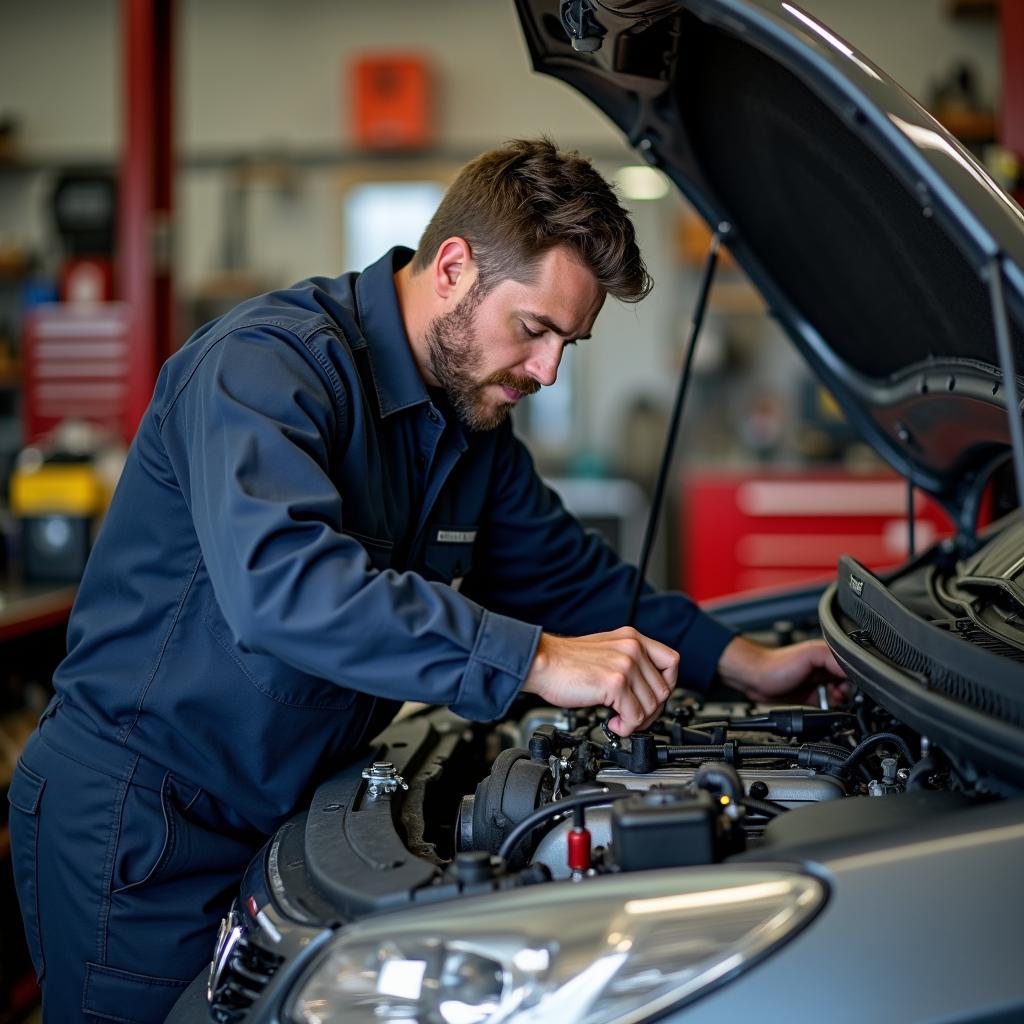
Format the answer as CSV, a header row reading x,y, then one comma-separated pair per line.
x,y
391,102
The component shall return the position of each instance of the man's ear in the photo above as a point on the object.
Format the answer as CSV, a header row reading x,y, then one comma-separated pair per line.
x,y
453,268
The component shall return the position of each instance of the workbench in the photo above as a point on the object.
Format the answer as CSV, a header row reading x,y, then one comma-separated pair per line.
x,y
27,608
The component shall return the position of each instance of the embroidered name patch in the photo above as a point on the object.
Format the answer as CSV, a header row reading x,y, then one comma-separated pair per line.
x,y
456,536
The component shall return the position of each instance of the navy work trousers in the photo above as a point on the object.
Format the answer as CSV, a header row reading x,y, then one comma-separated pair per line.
x,y
123,873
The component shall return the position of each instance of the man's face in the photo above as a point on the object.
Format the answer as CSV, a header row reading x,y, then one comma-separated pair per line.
x,y
494,348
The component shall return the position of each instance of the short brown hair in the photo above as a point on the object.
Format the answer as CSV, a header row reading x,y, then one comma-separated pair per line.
x,y
514,203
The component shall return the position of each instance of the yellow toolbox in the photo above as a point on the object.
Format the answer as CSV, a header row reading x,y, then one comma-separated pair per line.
x,y
57,505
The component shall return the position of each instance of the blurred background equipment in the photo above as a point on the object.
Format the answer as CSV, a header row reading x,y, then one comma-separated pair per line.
x,y
85,213
764,528
59,492
55,505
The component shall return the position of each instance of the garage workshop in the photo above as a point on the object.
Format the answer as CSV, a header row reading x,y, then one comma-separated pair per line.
x,y
509,511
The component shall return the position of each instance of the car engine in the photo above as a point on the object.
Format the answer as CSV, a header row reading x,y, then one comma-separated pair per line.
x,y
698,787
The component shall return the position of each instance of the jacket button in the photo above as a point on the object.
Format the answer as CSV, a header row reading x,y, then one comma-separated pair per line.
x,y
433,415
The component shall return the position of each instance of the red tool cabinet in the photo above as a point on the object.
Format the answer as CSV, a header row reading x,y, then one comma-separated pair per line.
x,y
747,531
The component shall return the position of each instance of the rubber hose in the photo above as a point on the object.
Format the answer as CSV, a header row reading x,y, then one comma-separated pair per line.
x,y
769,808
840,754
684,753
863,748
744,751
831,749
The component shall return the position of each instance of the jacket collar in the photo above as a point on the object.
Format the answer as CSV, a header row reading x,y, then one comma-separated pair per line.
x,y
396,377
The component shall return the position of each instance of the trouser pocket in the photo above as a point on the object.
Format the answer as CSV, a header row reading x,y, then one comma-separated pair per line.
x,y
25,796
127,997
146,838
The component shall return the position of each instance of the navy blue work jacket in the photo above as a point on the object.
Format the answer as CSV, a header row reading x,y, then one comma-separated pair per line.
x,y
274,573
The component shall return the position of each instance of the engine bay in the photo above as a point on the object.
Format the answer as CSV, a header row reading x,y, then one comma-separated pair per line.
x,y
444,808
441,808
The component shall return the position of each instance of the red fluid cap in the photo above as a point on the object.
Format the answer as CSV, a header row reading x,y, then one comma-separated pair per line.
x,y
579,849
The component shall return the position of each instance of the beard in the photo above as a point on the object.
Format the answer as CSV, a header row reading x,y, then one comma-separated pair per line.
x,y
456,359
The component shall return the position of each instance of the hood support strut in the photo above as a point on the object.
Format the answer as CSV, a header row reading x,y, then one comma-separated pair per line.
x,y
650,532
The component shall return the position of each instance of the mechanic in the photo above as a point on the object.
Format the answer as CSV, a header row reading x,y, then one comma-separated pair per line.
x,y
325,513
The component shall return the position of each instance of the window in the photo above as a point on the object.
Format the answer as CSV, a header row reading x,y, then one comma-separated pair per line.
x,y
380,214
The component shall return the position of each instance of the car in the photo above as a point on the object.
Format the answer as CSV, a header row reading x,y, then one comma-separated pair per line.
x,y
736,862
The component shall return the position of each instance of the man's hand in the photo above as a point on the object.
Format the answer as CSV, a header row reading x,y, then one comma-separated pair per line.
x,y
624,670
781,673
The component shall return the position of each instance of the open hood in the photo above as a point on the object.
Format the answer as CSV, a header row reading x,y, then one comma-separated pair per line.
x,y
870,231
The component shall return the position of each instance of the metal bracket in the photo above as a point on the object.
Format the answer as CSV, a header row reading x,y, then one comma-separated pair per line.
x,y
383,778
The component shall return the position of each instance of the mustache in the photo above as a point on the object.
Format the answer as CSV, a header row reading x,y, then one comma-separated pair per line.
x,y
524,385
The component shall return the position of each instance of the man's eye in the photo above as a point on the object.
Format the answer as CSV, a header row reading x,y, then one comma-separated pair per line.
x,y
528,332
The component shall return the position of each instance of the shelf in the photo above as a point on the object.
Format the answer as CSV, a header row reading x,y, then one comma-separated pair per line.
x,y
14,265
31,607
10,375
969,126
312,157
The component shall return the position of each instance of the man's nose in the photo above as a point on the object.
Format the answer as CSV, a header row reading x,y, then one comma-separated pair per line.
x,y
543,364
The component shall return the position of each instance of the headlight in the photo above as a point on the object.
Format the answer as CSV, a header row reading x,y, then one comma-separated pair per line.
x,y
611,950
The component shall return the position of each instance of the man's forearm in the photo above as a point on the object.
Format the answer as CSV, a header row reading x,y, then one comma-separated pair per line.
x,y
741,663
778,673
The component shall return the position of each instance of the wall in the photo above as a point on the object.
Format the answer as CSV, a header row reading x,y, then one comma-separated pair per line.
x,y
266,74
915,41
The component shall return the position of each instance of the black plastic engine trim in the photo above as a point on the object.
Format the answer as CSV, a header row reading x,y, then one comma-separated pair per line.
x,y
991,745
355,852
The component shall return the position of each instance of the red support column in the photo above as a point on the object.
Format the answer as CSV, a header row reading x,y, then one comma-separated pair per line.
x,y
1011,134
146,196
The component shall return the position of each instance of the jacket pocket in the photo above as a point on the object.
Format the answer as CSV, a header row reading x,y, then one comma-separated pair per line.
x,y
126,997
449,552
25,796
272,677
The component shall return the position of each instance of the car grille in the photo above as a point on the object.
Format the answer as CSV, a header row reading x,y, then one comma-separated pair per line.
x,y
246,970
